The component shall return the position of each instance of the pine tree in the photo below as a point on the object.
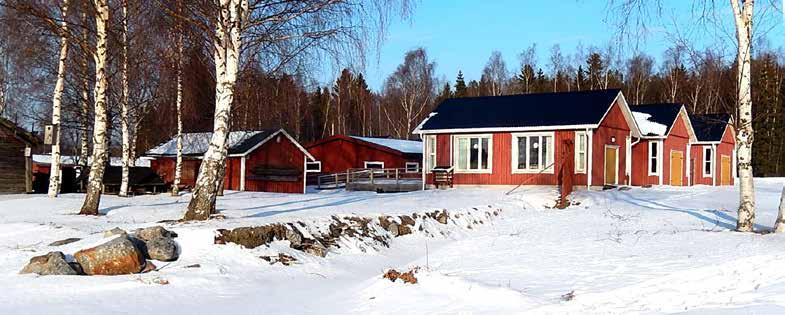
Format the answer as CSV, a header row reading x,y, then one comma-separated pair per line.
x,y
460,86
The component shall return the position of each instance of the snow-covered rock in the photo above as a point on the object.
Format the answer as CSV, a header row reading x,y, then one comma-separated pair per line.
x,y
116,257
53,263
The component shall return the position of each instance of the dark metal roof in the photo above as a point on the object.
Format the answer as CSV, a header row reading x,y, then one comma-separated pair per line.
x,y
526,110
709,127
662,113
250,142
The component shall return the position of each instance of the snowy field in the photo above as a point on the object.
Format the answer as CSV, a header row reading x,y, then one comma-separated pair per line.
x,y
655,250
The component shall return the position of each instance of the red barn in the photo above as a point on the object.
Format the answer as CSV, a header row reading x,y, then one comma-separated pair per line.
x,y
582,138
337,154
713,155
662,155
264,160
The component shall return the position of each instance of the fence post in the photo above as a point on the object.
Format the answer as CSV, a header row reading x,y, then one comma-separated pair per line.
x,y
371,177
396,176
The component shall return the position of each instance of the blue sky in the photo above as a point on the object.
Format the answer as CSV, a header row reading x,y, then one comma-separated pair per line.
x,y
461,34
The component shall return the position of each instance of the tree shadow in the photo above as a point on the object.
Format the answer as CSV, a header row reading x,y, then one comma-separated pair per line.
x,y
106,210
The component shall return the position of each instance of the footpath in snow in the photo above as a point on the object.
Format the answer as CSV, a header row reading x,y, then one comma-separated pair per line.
x,y
656,250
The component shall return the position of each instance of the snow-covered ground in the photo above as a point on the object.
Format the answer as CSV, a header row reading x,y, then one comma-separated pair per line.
x,y
655,250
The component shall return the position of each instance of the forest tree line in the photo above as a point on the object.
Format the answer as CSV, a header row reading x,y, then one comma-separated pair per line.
x,y
289,97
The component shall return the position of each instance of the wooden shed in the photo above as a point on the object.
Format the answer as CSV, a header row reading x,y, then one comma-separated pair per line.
x,y
261,160
713,155
662,155
339,153
16,146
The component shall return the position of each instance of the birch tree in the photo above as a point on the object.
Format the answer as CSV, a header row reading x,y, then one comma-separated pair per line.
x,y
178,170
409,91
84,101
742,13
100,143
54,172
124,115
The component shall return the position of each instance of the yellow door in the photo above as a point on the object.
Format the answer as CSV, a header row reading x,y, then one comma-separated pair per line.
x,y
725,171
677,168
611,163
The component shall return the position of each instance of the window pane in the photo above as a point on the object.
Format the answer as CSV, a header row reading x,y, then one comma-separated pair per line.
x,y
534,152
582,161
581,142
463,150
484,154
522,150
474,153
547,146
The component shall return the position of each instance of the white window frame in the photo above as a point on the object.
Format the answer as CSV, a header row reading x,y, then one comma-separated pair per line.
x,y
585,152
366,163
658,158
416,167
710,159
460,169
542,160
430,152
319,170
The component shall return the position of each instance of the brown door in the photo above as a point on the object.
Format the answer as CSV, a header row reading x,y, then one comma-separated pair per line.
x,y
725,171
677,168
611,165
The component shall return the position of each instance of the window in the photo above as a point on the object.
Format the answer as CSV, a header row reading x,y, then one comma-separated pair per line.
x,y
313,167
654,158
412,167
532,152
373,164
473,153
581,144
430,149
708,161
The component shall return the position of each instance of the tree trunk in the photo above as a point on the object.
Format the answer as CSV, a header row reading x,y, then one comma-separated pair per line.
x,y
178,169
227,46
744,136
779,226
54,171
124,117
84,145
100,145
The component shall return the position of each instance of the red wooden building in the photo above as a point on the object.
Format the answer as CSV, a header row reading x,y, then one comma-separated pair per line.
x,y
713,155
16,145
337,154
583,138
662,155
265,160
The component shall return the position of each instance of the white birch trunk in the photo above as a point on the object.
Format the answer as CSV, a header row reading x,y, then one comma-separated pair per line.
x,y
54,171
227,46
124,117
178,169
744,136
84,133
779,226
100,143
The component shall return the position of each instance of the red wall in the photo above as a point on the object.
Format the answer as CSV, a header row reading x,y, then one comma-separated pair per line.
x,y
613,125
273,154
677,140
725,147
338,154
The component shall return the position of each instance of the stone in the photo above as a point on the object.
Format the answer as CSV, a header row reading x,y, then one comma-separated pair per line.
x,y
315,249
153,232
406,220
162,249
53,263
115,231
442,217
393,228
116,257
149,266
404,230
65,241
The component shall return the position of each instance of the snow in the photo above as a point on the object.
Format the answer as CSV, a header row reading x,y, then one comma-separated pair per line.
x,y
198,142
73,160
405,146
645,250
648,127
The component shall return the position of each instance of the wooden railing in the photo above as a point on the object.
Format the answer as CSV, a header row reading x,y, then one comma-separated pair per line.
x,y
367,175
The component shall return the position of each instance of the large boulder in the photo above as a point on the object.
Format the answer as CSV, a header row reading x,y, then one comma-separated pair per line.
x,y
116,257
53,263
162,248
154,232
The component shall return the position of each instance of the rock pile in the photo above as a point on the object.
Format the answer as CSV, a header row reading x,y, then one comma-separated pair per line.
x,y
123,254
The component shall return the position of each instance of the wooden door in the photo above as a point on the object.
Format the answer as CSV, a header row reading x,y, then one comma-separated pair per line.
x,y
725,170
611,165
677,168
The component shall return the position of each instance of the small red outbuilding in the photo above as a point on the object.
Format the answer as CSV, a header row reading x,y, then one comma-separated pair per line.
x,y
264,160
662,155
338,153
713,154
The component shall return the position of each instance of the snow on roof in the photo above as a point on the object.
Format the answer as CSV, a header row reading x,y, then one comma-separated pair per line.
x,y
647,126
198,142
405,146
